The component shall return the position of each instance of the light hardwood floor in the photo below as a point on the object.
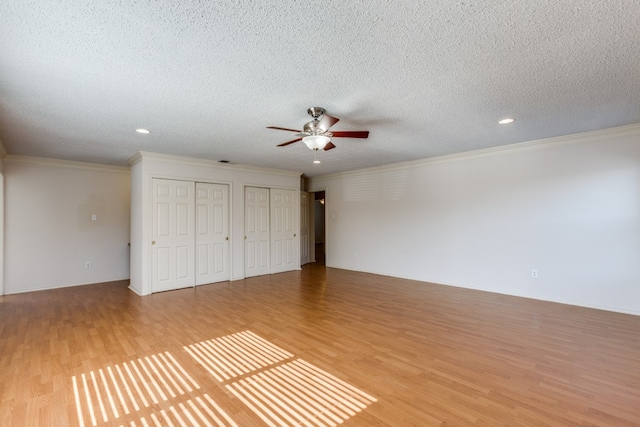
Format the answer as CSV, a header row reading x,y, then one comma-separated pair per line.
x,y
319,346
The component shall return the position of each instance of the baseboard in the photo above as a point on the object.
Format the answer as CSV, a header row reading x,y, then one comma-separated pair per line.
x,y
24,291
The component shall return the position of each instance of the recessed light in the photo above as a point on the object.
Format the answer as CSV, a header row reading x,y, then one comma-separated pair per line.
x,y
317,161
506,121
142,130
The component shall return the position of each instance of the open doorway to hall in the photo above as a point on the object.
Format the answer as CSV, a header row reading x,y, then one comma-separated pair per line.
x,y
319,227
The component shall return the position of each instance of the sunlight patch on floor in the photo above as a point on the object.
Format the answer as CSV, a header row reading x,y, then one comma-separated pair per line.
x,y
118,392
235,355
156,390
279,389
297,393
201,411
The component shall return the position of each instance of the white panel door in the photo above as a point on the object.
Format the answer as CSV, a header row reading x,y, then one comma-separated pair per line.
x,y
304,227
257,239
285,255
212,233
172,235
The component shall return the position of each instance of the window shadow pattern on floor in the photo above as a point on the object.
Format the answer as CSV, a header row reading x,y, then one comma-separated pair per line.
x,y
156,390
276,386
156,385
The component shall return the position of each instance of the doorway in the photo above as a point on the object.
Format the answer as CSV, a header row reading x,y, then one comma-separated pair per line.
x,y
319,227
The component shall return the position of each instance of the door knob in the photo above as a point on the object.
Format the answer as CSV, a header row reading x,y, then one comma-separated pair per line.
x,y
226,238
153,242
294,234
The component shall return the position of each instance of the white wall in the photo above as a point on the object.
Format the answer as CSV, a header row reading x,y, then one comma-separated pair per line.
x,y
49,234
2,155
568,207
146,166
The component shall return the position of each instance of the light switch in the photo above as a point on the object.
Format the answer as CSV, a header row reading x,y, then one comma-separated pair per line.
x,y
94,217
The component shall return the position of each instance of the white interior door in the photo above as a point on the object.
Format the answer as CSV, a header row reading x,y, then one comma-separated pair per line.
x,y
257,236
304,227
284,223
212,233
172,235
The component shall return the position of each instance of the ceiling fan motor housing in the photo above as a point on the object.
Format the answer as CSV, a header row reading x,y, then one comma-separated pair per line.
x,y
312,127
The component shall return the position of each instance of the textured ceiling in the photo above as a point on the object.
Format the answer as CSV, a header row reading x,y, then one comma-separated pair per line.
x,y
426,78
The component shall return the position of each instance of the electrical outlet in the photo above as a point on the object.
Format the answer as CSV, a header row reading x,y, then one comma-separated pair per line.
x,y
534,274
87,264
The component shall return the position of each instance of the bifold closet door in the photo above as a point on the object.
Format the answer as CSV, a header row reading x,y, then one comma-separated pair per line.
x,y
271,224
284,223
212,233
257,244
173,235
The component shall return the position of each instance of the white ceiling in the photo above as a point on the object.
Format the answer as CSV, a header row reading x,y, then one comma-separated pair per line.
x,y
426,78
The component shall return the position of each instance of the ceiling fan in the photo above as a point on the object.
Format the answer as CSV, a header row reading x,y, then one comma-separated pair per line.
x,y
316,135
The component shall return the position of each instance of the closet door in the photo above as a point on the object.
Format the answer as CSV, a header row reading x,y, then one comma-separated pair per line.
x,y
285,255
212,233
172,235
256,244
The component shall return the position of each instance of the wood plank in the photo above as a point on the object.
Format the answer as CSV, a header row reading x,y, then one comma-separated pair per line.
x,y
429,355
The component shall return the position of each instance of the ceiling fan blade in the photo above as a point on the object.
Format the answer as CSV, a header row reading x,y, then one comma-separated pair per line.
x,y
289,142
279,128
326,121
329,146
351,134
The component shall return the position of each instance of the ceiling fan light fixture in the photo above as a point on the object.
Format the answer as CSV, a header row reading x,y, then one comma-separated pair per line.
x,y
316,142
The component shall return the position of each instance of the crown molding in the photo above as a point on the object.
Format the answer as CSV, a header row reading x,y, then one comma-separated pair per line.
x,y
143,155
583,137
18,159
